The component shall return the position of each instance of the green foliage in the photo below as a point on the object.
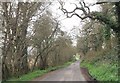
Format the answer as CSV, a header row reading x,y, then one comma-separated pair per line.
x,y
106,33
103,71
30,75
103,63
105,19
38,73
103,68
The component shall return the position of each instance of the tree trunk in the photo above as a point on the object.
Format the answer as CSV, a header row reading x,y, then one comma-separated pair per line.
x,y
21,54
118,45
43,62
117,4
5,71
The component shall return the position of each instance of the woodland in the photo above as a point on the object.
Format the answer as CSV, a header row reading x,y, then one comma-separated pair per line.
x,y
31,38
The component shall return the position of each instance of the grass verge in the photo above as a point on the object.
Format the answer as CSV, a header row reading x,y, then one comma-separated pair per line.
x,y
102,71
38,73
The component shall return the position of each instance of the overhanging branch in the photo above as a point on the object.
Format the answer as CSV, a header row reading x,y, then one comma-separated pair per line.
x,y
83,8
92,15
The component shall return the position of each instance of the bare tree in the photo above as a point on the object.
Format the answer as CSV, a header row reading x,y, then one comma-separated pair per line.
x,y
45,30
16,17
101,17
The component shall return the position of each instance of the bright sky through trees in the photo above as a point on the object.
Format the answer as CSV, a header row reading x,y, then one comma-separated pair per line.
x,y
71,25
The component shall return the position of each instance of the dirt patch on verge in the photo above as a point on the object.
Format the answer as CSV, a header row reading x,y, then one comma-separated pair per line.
x,y
87,76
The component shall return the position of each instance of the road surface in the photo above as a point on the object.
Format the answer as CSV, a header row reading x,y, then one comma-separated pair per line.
x,y
70,73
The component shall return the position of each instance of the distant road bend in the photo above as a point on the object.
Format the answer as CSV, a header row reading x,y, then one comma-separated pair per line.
x,y
70,73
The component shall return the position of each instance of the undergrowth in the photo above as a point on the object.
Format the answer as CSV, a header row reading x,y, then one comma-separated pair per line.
x,y
103,68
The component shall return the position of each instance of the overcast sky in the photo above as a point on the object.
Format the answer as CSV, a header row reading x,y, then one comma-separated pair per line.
x,y
71,25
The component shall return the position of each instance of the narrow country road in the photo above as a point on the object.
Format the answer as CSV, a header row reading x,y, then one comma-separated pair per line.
x,y
70,73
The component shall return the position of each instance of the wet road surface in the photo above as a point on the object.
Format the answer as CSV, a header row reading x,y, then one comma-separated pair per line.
x,y
70,73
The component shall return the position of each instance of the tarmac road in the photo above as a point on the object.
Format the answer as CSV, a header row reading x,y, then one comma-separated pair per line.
x,y
70,73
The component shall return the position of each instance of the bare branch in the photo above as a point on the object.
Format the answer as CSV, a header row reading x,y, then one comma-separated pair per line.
x,y
82,8
86,7
98,3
